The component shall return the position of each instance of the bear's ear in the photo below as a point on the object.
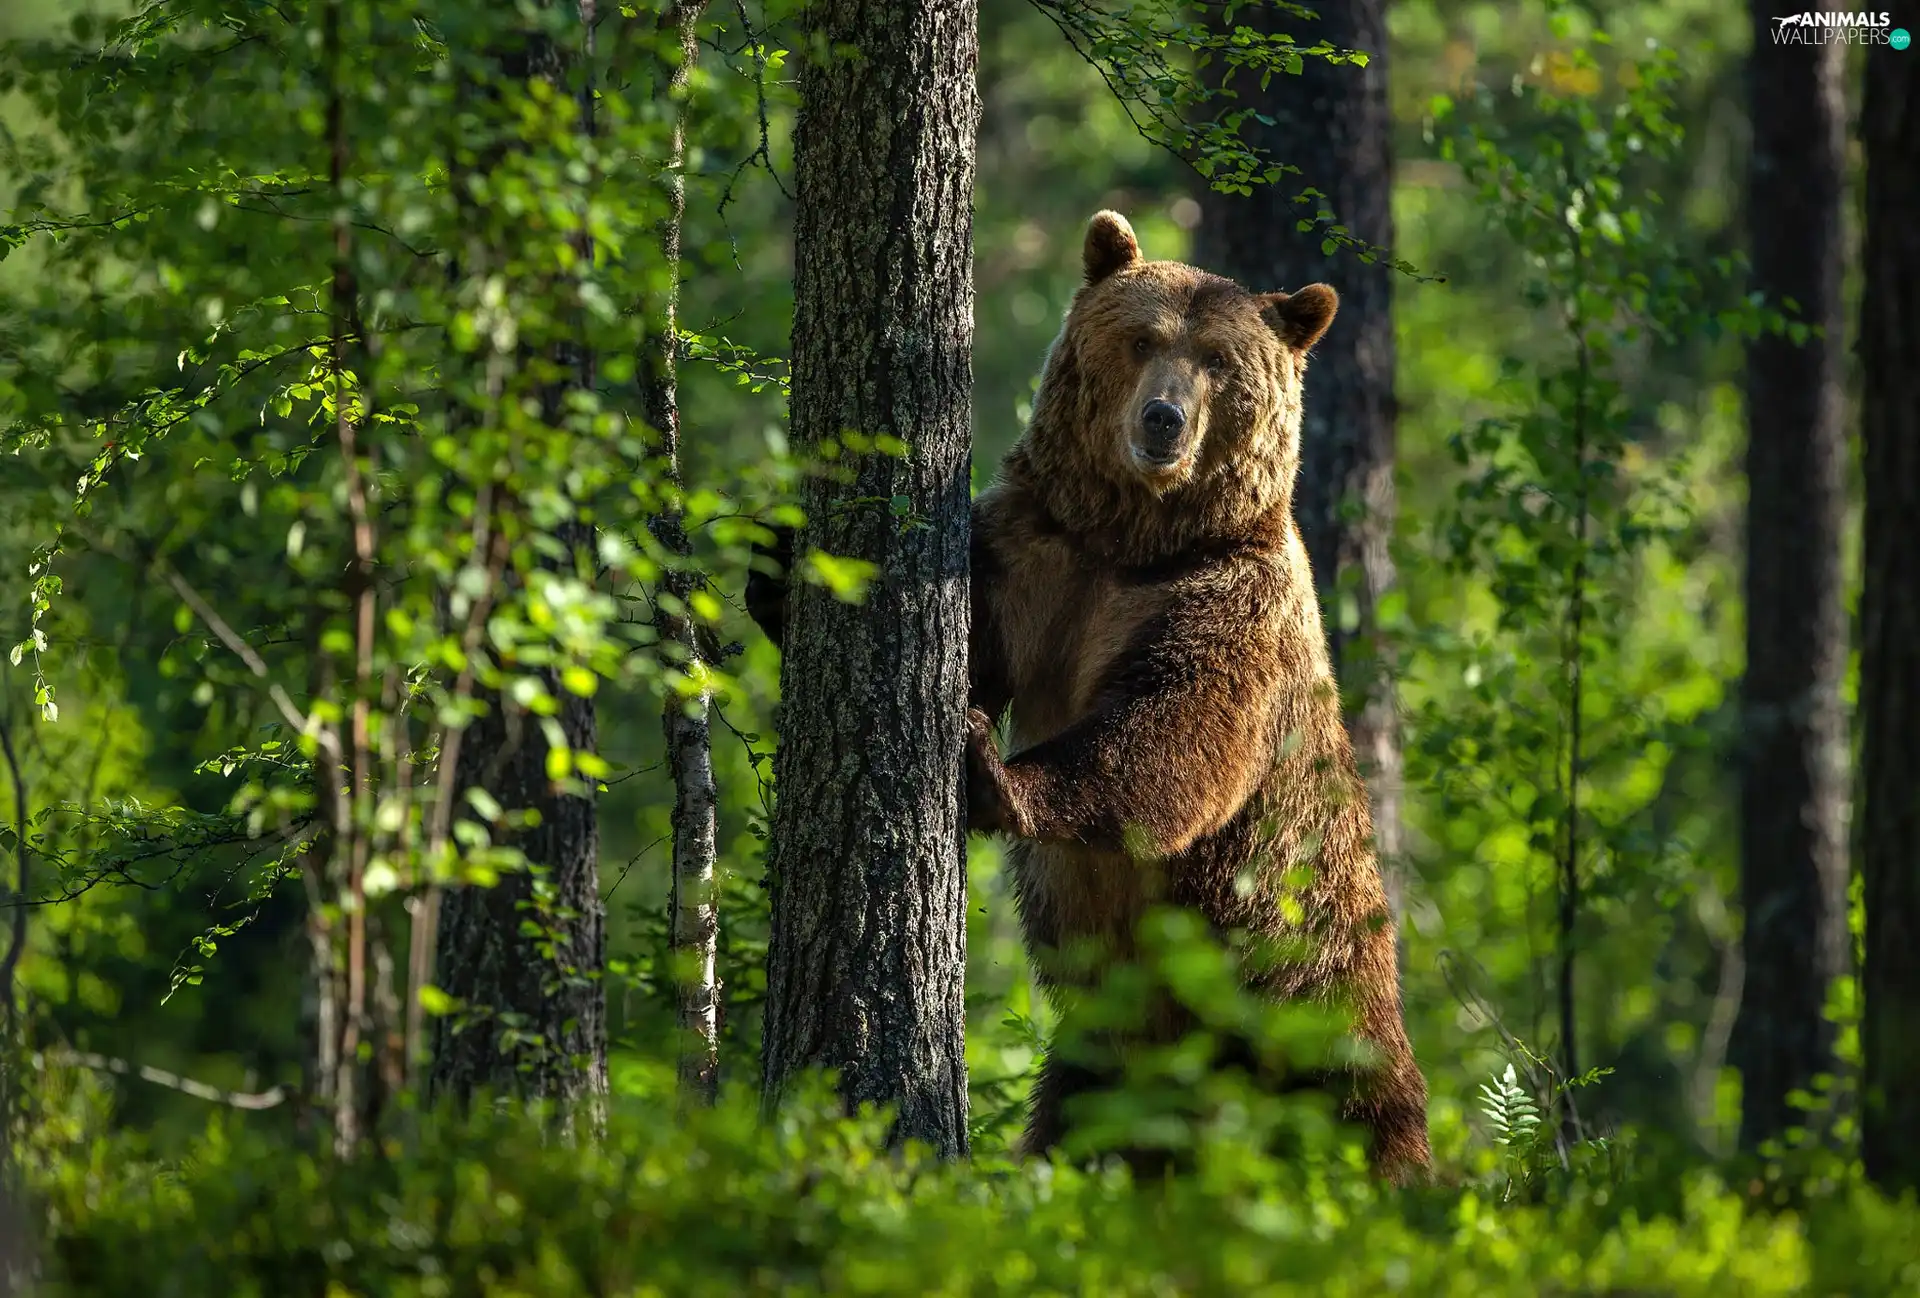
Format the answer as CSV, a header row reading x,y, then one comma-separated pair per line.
x,y
1301,318
1110,246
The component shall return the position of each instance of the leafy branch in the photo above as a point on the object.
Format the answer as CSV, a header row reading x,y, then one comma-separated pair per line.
x,y
1158,57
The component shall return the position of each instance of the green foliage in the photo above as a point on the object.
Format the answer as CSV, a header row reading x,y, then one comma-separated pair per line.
x,y
315,359
1174,67
668,1200
1554,701
1511,1112
717,1201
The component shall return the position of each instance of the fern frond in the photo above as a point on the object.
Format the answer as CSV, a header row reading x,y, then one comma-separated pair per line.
x,y
1510,1111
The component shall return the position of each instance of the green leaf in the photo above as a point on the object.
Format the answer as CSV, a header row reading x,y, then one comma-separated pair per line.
x,y
847,578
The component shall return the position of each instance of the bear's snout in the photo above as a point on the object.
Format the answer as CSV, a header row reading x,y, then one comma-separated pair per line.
x,y
1161,424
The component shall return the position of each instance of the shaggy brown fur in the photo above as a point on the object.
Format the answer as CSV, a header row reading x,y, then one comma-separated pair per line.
x,y
1143,602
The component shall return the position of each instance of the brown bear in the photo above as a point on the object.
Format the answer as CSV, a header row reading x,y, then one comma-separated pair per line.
x,y
1143,603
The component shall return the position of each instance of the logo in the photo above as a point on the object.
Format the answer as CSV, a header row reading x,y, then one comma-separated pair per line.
x,y
1823,27
1899,39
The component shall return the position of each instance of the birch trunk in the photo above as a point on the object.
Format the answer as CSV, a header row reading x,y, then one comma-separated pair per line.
x,y
695,912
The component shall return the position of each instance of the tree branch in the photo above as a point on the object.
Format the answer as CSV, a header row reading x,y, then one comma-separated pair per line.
x,y
161,1077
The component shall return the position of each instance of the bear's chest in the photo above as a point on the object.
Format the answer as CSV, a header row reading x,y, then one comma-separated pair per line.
x,y
1066,628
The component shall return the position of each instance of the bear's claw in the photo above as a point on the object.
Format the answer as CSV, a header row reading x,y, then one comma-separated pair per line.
x,y
991,806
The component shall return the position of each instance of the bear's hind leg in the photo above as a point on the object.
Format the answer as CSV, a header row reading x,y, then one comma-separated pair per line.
x,y
1057,1086
1391,1102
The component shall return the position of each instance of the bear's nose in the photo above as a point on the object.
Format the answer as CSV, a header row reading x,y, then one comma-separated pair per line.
x,y
1163,421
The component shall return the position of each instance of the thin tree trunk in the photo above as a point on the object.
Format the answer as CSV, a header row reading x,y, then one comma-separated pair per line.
x,y
356,1052
525,956
695,913
1574,657
17,1270
13,1222
866,966
16,940
1332,122
1793,801
1890,622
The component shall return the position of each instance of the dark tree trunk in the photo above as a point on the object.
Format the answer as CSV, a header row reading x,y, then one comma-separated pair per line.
x,y
1793,743
1890,622
1333,123
535,1022
525,957
867,868
14,1253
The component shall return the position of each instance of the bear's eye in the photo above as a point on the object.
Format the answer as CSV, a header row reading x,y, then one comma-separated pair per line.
x,y
1216,361
1141,346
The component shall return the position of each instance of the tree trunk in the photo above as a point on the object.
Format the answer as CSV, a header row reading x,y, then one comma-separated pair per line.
x,y
695,915
867,869
1793,744
535,1022
1333,123
524,957
1890,623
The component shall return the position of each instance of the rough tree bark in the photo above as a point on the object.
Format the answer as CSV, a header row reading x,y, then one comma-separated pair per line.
x,y
695,915
1890,622
1793,800
866,964
1333,123
535,1022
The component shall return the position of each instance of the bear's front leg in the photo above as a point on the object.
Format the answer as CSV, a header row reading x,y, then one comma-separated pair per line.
x,y
1175,744
991,808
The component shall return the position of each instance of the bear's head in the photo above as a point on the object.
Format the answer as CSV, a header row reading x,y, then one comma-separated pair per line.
x,y
1169,408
